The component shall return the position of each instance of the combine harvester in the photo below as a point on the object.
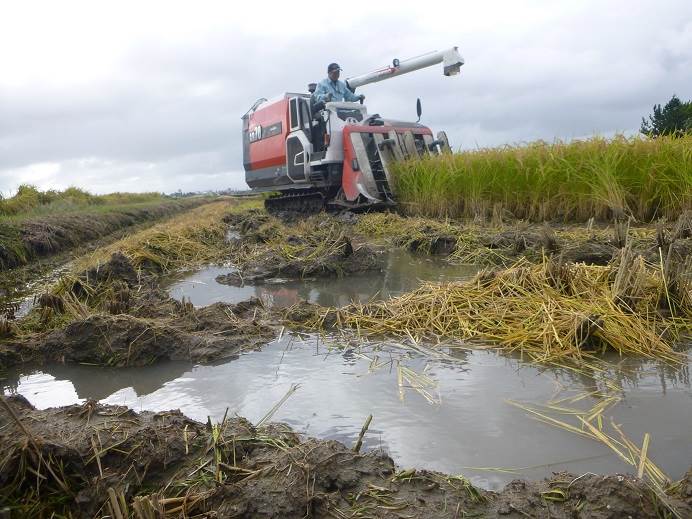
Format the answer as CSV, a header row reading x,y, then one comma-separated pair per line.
x,y
334,155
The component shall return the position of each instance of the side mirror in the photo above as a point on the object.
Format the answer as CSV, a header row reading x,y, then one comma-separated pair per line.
x,y
419,109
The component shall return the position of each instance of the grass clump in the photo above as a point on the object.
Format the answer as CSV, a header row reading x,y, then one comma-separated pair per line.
x,y
602,178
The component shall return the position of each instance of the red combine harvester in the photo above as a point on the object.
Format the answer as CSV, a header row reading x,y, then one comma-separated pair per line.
x,y
334,155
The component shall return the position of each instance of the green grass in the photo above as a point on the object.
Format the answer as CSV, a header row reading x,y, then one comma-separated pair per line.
x,y
29,201
602,178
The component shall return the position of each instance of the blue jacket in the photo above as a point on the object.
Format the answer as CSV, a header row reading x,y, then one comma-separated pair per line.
x,y
338,89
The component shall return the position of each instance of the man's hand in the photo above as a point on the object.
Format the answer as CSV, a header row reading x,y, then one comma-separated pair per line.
x,y
327,98
362,98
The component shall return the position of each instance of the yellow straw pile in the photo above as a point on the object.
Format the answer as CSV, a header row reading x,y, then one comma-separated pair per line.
x,y
549,312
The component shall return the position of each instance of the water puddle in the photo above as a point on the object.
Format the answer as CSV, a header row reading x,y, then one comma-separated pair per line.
x,y
449,413
17,298
402,272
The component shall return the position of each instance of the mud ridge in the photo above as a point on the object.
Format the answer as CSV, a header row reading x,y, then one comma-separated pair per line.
x,y
117,316
39,237
267,248
98,460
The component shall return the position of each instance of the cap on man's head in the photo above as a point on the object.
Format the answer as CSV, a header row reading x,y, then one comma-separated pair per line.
x,y
333,66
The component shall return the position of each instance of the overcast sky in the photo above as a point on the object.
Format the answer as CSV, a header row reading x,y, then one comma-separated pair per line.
x,y
141,96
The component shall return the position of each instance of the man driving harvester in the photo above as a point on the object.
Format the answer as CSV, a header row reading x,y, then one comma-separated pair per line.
x,y
331,89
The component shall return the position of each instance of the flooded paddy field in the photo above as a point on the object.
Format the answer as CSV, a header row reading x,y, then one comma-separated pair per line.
x,y
497,354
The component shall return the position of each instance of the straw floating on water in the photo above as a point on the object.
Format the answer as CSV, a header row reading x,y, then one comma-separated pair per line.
x,y
550,312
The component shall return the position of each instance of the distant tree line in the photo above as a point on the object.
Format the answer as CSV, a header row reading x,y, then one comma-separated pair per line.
x,y
675,119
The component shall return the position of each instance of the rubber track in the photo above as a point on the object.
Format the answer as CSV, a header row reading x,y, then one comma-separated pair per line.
x,y
309,202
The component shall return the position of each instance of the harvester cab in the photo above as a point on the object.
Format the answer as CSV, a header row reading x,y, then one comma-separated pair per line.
x,y
317,155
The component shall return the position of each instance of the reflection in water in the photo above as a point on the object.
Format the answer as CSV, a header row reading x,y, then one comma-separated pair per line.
x,y
472,426
402,272
98,383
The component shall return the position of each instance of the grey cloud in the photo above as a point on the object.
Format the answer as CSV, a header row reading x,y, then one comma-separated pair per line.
x,y
169,117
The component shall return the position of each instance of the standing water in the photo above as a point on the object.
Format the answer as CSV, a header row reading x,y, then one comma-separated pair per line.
x,y
453,416
402,272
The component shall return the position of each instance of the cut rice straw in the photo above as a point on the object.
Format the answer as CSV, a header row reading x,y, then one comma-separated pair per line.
x,y
591,425
273,410
551,312
419,382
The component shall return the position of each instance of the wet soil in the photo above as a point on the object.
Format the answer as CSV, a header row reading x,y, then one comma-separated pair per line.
x,y
131,321
452,416
263,252
401,272
19,284
344,260
164,462
118,316
505,242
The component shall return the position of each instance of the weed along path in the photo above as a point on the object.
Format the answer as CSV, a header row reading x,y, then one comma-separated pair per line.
x,y
397,353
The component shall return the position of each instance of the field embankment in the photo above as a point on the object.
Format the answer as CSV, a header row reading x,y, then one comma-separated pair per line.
x,y
30,202
36,224
646,179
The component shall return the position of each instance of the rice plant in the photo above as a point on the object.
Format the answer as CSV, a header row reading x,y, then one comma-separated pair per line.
x,y
602,178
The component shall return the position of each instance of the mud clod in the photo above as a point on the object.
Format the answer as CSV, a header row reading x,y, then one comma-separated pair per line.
x,y
592,252
338,257
131,321
204,335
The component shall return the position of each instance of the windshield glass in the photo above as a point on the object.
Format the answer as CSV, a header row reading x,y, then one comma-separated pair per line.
x,y
346,113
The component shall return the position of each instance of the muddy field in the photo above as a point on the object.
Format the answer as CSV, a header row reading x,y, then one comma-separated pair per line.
x,y
136,323
93,459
